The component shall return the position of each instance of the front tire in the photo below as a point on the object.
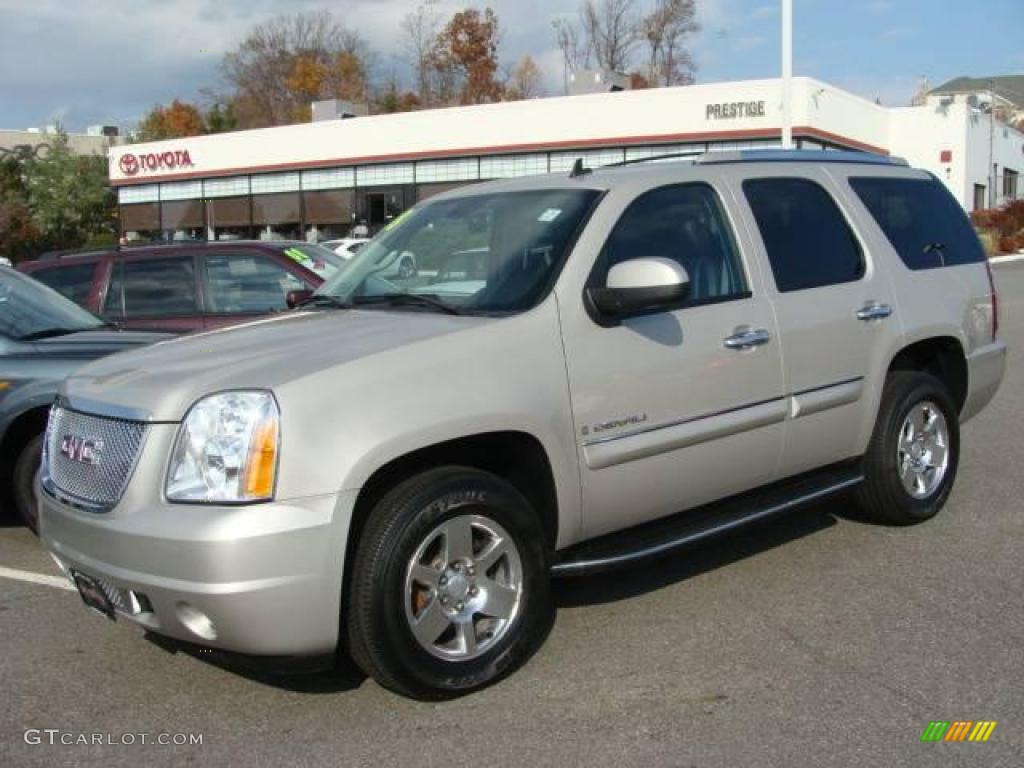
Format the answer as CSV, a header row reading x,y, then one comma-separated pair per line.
x,y
912,459
26,466
450,588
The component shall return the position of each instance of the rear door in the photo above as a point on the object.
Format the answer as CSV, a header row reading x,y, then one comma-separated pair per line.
x,y
834,305
154,292
243,285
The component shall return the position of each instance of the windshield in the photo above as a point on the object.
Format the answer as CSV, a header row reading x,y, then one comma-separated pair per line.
x,y
486,253
28,309
315,258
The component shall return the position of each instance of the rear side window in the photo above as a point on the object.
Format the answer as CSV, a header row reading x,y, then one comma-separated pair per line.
x,y
72,280
924,223
158,287
684,223
809,243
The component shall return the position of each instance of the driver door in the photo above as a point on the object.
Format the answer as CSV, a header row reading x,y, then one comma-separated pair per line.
x,y
684,405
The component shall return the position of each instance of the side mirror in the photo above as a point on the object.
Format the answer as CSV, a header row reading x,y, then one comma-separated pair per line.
x,y
641,285
294,298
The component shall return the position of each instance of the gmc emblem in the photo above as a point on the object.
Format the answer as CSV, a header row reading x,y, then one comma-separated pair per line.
x,y
81,449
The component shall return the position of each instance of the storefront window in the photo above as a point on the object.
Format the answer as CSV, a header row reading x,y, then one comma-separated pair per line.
x,y
140,222
183,220
329,215
230,218
277,217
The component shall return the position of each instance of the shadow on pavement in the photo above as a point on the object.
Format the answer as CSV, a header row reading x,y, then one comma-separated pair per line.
x,y
693,560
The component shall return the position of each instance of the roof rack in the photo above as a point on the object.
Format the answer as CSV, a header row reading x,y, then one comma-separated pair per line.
x,y
713,157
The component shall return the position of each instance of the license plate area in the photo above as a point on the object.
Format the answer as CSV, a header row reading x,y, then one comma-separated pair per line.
x,y
93,594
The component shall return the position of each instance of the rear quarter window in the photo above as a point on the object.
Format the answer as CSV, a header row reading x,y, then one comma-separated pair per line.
x,y
922,221
71,280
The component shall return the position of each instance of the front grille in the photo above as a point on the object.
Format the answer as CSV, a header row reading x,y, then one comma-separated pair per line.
x,y
90,459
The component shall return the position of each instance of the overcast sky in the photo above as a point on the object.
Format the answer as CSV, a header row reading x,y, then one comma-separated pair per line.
x,y
85,62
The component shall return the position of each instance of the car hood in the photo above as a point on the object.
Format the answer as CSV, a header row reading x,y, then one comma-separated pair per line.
x,y
89,345
161,382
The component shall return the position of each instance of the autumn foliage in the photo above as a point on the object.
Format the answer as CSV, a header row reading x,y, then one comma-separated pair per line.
x,y
172,122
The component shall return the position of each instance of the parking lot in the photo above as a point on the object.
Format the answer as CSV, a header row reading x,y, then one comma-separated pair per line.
x,y
812,640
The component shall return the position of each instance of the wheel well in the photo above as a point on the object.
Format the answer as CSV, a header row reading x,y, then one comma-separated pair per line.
x,y
517,457
942,357
19,432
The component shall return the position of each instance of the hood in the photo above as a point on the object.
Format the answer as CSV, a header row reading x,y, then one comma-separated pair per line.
x,y
89,345
161,382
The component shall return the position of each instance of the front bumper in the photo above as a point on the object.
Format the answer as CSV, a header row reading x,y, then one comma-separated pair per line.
x,y
266,577
985,368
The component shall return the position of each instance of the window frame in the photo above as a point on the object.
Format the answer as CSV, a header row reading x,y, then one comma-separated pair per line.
x,y
594,276
844,215
203,274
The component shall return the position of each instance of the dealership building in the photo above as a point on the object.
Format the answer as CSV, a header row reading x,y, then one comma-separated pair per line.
x,y
315,180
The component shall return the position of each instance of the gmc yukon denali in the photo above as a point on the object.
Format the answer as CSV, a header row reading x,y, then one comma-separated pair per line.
x,y
584,371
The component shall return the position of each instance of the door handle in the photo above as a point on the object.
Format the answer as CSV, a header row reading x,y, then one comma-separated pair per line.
x,y
747,339
874,311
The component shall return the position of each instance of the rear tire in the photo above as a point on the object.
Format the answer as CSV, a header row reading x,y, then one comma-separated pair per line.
x,y
26,466
912,459
450,588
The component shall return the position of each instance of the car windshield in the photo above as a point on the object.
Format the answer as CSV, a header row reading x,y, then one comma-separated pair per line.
x,y
487,253
30,310
317,259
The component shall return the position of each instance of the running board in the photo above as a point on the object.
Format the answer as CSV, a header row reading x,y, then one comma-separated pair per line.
x,y
661,537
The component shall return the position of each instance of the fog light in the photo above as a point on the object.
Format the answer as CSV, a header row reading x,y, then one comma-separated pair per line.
x,y
196,622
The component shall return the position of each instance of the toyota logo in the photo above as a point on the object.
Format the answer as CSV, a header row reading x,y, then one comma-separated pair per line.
x,y
129,165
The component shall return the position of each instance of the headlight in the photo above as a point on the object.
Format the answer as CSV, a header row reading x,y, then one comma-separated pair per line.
x,y
226,449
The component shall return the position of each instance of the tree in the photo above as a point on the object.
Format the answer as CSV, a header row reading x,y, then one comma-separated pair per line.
x,y
575,52
275,68
665,30
420,29
610,30
220,117
176,121
465,58
524,82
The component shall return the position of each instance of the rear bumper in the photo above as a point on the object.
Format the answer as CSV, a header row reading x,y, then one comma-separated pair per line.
x,y
985,368
267,578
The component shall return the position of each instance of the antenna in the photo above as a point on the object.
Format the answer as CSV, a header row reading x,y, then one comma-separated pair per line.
x,y
578,169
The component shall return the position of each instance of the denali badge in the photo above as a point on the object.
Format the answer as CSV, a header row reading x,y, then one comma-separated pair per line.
x,y
81,449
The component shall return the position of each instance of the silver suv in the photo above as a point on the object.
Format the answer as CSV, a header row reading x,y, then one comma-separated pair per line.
x,y
583,371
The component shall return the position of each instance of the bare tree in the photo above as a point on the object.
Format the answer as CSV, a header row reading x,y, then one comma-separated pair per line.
x,y
524,82
575,52
610,31
665,31
421,28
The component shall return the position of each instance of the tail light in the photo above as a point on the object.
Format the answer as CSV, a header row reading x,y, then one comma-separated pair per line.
x,y
995,300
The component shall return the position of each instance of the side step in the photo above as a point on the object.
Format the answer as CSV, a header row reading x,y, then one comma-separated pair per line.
x,y
623,548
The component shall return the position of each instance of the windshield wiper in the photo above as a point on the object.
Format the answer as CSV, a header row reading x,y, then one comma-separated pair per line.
x,y
323,300
410,299
47,333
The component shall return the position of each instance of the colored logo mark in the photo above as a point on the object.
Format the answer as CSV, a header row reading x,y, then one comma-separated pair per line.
x,y
958,730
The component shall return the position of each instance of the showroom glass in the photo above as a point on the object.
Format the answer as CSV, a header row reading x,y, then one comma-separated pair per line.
x,y
71,280
684,223
152,287
809,243
242,283
30,309
922,220
505,249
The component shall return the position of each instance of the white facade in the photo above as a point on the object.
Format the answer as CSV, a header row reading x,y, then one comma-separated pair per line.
x,y
420,151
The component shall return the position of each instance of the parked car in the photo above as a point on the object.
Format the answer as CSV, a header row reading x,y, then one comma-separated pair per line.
x,y
43,338
186,286
403,268
660,353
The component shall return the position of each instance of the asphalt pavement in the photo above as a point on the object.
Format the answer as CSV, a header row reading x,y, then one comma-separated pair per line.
x,y
809,641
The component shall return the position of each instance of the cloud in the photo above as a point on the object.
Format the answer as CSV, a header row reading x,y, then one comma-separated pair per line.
x,y
878,7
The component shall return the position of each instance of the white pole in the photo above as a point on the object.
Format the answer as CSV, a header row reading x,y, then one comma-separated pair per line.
x,y
787,74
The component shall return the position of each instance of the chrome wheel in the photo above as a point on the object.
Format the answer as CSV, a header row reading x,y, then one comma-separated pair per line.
x,y
922,455
463,588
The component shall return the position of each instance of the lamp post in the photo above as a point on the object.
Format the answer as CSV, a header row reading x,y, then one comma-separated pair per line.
x,y
787,74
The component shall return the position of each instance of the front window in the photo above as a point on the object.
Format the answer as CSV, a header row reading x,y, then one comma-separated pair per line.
x,y
486,253
29,310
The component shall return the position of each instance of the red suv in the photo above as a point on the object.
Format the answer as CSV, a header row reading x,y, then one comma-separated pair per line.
x,y
186,286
